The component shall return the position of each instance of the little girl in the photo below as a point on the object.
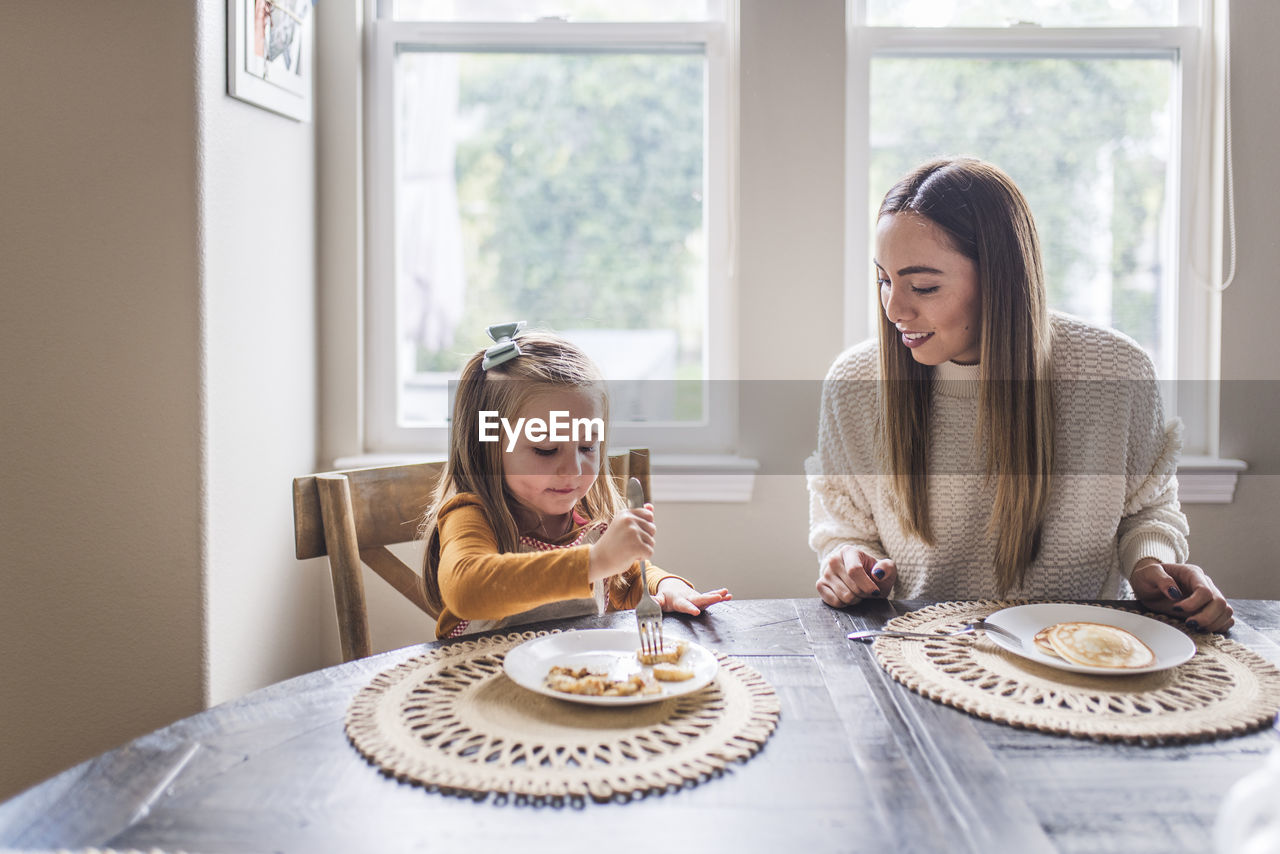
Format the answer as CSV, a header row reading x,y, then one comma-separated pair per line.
x,y
523,527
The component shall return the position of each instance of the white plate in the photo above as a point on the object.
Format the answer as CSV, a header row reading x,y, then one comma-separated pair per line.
x,y
1171,646
602,650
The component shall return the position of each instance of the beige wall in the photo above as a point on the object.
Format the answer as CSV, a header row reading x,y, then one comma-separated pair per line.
x,y
101,614
158,336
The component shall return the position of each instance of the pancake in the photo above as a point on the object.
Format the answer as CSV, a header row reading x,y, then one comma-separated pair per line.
x,y
1042,643
1099,645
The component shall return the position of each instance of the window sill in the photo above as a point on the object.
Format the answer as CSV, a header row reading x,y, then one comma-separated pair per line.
x,y
1208,480
707,479
728,479
676,478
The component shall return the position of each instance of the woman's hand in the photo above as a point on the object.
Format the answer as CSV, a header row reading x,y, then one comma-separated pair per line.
x,y
674,595
851,575
1182,590
629,538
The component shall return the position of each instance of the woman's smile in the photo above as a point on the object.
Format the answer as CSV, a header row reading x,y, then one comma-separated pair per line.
x,y
915,339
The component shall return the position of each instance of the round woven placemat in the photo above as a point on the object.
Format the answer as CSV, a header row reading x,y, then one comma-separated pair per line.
x,y
1225,689
450,719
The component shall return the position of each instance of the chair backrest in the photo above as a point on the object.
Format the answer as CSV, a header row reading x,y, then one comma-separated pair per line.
x,y
353,515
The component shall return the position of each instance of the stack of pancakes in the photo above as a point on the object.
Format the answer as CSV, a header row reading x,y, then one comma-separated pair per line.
x,y
1094,645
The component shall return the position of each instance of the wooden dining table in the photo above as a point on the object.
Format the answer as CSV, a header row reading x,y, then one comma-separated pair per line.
x,y
858,762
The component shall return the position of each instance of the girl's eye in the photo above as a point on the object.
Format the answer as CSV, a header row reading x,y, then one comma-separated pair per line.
x,y
588,449
929,290
545,452
881,281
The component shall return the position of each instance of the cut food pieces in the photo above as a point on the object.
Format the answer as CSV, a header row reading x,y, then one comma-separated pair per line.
x,y
583,682
671,673
619,679
670,654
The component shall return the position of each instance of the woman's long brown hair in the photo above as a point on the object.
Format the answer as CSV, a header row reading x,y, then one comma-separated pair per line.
x,y
547,362
987,219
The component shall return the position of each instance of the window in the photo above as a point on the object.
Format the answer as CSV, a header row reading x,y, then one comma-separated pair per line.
x,y
1094,108
567,164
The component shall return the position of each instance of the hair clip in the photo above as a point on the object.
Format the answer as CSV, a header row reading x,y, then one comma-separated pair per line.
x,y
505,349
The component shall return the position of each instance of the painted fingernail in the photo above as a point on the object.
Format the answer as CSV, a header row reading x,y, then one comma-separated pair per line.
x,y
875,593
1174,593
1177,609
878,573
1192,624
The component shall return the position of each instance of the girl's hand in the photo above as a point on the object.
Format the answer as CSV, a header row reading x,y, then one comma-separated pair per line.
x,y
674,595
628,538
1182,590
851,575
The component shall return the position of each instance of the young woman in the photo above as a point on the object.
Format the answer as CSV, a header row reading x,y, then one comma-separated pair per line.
x,y
984,446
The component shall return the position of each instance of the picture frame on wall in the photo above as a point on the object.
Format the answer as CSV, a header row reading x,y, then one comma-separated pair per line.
x,y
269,54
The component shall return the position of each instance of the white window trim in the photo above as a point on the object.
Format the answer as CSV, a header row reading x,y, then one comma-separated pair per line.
x,y
718,432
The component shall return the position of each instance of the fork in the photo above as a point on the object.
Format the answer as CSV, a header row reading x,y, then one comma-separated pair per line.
x,y
968,628
648,614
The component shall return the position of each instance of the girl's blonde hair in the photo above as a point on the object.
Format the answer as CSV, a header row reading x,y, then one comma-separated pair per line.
x,y
546,362
987,219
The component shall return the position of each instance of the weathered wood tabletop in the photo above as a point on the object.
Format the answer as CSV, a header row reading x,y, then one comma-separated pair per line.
x,y
858,763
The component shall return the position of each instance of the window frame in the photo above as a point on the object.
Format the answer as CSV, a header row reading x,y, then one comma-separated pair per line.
x,y
1191,322
717,432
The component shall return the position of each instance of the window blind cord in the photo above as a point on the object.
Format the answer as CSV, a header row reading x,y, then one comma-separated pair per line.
x,y
1230,174
1229,181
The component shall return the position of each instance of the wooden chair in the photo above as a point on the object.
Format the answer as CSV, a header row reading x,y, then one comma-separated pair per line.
x,y
353,515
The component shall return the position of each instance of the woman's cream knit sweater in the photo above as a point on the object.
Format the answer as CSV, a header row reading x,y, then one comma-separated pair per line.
x,y
1114,495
